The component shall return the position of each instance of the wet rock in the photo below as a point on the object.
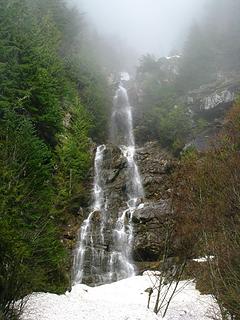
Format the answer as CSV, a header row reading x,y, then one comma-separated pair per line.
x,y
155,166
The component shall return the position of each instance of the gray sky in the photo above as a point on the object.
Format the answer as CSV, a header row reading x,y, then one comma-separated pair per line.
x,y
148,26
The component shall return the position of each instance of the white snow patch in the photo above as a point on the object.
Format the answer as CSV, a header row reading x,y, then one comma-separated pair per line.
x,y
122,300
173,57
204,259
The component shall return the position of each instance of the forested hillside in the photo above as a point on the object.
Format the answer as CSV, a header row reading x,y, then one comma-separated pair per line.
x,y
53,99
160,204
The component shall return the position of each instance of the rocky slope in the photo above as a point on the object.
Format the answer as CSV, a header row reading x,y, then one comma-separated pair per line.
x,y
216,96
155,167
211,103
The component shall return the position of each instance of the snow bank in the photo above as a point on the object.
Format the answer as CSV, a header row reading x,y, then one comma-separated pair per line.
x,y
204,259
123,300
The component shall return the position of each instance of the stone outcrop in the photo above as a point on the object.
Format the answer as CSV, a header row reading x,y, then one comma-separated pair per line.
x,y
155,167
149,229
214,98
211,103
149,220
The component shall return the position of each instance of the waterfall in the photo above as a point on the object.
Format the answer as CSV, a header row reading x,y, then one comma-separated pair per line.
x,y
122,128
107,263
85,238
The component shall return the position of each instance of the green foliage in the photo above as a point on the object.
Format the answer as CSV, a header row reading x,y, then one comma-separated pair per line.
x,y
31,255
174,128
74,159
93,90
52,100
161,118
200,125
31,80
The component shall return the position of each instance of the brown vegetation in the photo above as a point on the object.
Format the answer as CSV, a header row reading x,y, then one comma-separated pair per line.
x,y
207,206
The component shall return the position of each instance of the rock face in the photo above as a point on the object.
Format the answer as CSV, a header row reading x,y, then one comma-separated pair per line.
x,y
152,212
150,221
214,98
149,224
211,103
155,167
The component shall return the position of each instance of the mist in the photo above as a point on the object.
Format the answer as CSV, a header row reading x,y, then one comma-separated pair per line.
x,y
147,26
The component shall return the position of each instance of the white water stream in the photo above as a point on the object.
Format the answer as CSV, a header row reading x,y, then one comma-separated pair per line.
x,y
120,263
85,233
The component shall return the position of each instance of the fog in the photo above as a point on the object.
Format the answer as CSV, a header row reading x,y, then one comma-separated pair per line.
x,y
147,26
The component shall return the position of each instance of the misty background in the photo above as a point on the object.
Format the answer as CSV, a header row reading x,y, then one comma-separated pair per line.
x,y
157,27
60,63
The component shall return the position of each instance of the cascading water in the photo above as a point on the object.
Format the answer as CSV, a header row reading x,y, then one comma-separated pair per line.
x,y
111,260
85,233
120,262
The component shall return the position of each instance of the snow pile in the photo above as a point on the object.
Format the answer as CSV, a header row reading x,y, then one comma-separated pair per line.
x,y
204,259
123,300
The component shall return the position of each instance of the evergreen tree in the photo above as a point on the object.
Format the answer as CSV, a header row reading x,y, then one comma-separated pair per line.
x,y
51,97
